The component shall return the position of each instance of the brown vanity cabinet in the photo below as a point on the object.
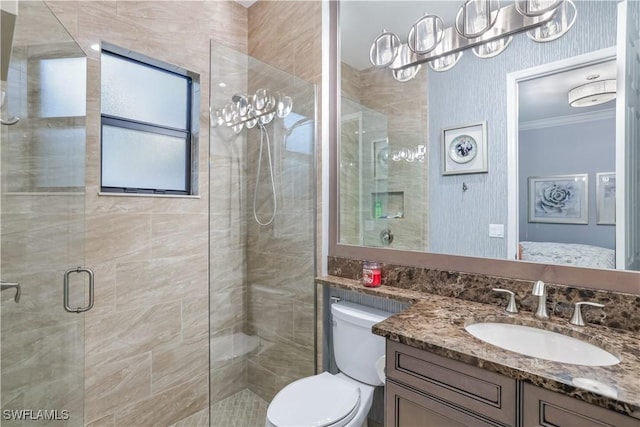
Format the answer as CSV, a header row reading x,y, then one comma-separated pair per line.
x,y
424,389
435,389
545,408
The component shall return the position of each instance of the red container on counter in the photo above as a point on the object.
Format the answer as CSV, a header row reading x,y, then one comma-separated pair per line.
x,y
371,274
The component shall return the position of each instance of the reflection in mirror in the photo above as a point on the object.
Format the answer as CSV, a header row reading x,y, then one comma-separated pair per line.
x,y
382,187
562,150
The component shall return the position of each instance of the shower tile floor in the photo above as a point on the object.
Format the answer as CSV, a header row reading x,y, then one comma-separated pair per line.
x,y
243,409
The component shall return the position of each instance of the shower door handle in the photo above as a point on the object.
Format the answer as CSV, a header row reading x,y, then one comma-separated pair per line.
x,y
66,290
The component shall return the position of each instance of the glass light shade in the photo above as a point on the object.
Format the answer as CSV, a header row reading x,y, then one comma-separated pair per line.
x,y
267,118
593,93
384,49
492,48
284,106
404,57
405,74
445,63
237,126
261,100
558,26
242,104
476,17
229,112
425,34
533,8
216,118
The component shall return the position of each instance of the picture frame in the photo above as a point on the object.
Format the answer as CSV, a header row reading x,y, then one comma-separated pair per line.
x,y
606,198
464,149
559,199
381,159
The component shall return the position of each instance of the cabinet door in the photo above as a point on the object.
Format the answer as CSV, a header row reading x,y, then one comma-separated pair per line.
x,y
486,393
548,409
407,408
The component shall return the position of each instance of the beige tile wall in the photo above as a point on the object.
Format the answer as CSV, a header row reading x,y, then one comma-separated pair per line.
x,y
42,235
404,105
147,337
228,361
281,291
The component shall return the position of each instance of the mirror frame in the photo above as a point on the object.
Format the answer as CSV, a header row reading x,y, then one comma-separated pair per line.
x,y
610,280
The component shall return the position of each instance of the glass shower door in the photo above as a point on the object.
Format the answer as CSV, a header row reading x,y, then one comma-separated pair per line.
x,y
42,204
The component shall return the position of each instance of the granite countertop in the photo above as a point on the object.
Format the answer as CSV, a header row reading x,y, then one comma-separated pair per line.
x,y
436,324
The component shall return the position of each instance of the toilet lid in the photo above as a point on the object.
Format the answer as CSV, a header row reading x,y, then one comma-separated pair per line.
x,y
316,401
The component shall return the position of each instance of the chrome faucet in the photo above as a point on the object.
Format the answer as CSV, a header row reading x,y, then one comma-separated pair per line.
x,y
540,290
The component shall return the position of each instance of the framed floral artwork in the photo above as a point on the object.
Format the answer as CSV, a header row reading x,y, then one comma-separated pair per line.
x,y
464,149
560,199
606,198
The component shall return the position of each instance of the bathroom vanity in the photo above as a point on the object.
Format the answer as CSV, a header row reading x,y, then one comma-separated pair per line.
x,y
425,389
439,374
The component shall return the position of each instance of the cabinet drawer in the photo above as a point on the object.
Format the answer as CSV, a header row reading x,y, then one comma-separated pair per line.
x,y
486,393
408,408
546,408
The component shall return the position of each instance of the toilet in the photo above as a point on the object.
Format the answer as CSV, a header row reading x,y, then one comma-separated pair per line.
x,y
343,399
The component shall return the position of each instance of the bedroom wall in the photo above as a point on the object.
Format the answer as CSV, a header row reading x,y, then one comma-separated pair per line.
x,y
587,147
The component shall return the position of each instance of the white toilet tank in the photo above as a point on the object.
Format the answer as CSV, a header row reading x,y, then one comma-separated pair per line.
x,y
355,348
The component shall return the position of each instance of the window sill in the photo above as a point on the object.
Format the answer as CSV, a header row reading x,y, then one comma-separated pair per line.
x,y
171,196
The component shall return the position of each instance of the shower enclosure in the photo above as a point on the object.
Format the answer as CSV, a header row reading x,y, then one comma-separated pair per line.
x,y
42,224
262,227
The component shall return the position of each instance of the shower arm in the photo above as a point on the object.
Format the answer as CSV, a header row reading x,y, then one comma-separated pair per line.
x,y
11,285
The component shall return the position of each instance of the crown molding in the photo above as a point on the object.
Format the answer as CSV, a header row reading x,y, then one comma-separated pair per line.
x,y
568,120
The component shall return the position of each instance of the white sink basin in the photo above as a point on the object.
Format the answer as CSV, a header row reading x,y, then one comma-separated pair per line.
x,y
542,344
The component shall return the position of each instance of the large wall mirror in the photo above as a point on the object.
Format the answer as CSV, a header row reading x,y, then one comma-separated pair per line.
x,y
481,164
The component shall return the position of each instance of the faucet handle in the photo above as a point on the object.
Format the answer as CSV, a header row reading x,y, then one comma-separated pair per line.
x,y
576,319
511,307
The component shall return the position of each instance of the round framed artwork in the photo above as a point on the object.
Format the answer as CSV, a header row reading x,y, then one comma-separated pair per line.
x,y
464,149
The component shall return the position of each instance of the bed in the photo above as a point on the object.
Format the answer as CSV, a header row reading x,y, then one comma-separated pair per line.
x,y
567,254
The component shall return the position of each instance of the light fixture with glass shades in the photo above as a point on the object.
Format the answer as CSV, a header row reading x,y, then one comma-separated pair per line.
x,y
592,93
481,25
248,111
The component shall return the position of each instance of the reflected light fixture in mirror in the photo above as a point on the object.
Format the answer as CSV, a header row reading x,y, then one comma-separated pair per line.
x,y
425,34
534,8
445,63
384,49
476,17
482,25
492,48
403,58
558,26
593,93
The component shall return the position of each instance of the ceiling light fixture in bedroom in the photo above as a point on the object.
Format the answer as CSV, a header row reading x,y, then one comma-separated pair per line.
x,y
593,93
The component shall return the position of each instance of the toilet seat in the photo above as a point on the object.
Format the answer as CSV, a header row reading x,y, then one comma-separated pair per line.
x,y
322,400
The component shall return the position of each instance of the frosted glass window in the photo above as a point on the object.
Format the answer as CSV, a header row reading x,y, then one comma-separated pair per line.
x,y
138,159
143,93
63,87
59,158
146,125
